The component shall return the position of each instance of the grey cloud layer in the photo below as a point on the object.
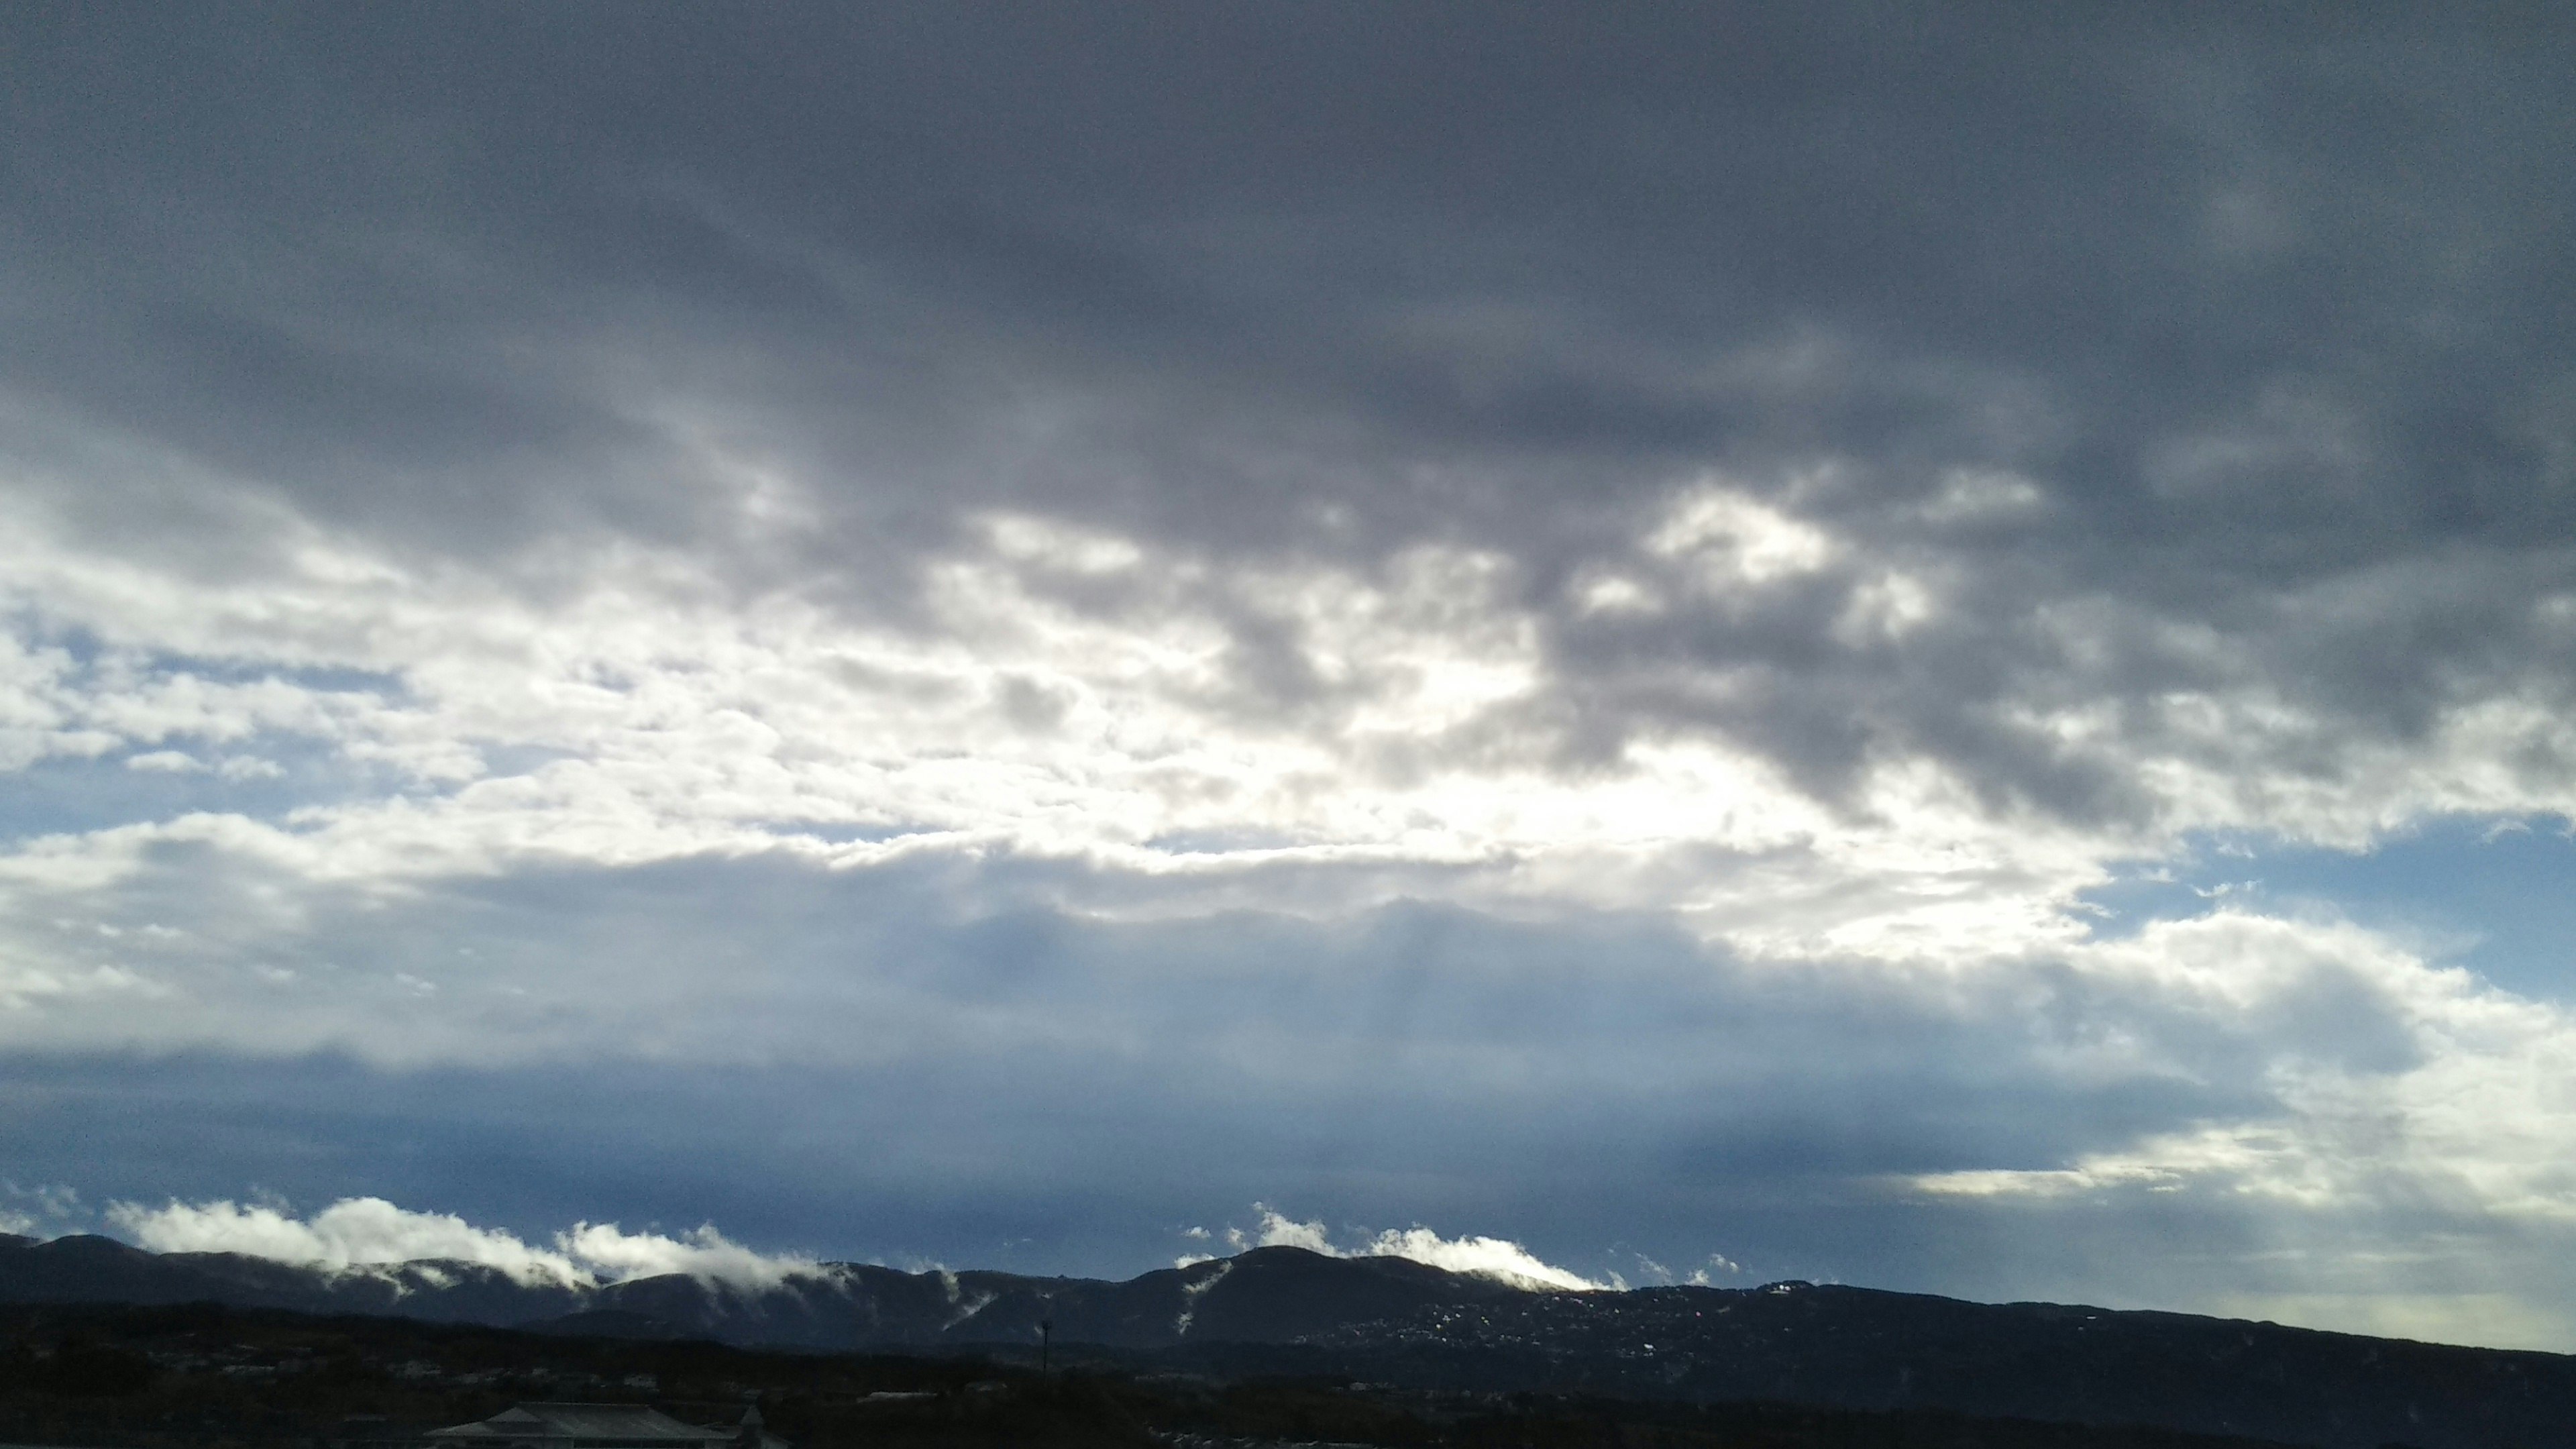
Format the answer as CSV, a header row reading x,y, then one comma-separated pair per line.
x,y
2264,313
875,1060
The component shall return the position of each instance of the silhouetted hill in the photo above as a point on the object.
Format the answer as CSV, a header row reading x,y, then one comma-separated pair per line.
x,y
1388,1320
202,1376
1866,1349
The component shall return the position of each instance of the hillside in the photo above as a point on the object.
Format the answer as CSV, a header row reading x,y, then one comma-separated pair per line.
x,y
1387,1320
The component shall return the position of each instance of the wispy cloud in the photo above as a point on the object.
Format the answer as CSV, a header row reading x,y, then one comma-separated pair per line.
x,y
369,1231
40,1211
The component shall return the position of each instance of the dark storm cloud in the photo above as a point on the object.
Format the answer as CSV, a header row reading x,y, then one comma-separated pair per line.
x,y
2271,308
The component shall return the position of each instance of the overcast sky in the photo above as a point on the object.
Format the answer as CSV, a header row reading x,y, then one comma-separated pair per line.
x,y
1926,648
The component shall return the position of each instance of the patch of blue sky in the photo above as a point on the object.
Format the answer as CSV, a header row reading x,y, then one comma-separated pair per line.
x,y
2495,895
73,796
502,759
84,649
322,679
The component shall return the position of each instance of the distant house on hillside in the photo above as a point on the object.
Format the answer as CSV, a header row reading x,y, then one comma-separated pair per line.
x,y
600,1426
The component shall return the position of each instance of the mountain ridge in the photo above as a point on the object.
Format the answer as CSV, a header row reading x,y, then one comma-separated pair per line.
x,y
1287,1310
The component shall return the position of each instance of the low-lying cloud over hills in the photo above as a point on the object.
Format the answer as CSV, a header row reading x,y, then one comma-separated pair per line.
x,y
1326,1318
371,1232
359,1232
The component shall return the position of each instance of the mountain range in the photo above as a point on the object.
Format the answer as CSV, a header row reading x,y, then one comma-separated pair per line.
x,y
1287,1311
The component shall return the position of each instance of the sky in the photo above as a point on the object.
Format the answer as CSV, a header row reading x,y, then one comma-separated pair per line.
x,y
1931,649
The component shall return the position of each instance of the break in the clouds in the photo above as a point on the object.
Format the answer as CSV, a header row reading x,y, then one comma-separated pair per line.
x,y
1906,650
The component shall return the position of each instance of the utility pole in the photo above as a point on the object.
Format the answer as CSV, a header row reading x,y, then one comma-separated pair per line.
x,y
1046,1336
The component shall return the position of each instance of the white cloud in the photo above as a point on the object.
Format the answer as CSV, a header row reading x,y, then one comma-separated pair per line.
x,y
702,1253
1396,721
1884,609
369,1231
1065,692
1718,1264
1486,1257
1611,593
352,1232
1733,540
168,762
2415,1123
1497,1258
1278,1230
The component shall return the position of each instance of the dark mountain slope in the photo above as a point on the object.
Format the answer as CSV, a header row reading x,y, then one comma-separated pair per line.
x,y
1864,1349
201,1376
1387,1320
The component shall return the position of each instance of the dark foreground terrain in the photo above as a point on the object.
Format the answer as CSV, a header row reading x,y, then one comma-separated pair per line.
x,y
204,1376
1283,1313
